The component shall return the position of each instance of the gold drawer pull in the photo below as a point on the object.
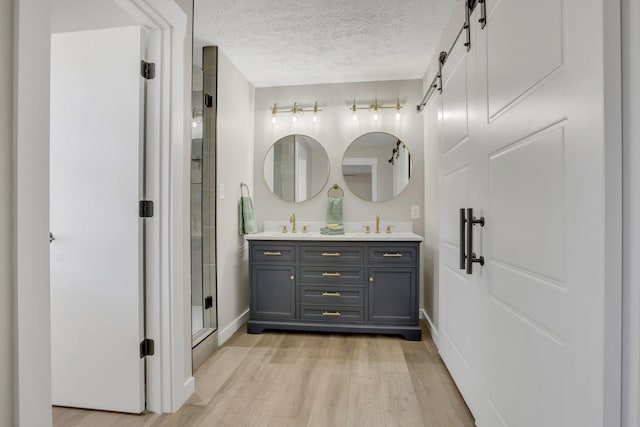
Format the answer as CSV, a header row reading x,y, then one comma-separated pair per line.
x,y
331,313
396,255
331,294
325,274
268,253
330,253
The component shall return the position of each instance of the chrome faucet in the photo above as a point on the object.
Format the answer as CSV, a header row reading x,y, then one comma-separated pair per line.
x,y
292,220
377,223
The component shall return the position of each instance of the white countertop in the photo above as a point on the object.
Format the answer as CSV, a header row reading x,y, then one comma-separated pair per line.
x,y
354,231
401,236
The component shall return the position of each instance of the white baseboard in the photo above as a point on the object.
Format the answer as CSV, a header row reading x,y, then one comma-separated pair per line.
x,y
231,328
188,388
432,328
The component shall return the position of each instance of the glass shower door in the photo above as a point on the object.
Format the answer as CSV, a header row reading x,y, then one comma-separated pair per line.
x,y
203,277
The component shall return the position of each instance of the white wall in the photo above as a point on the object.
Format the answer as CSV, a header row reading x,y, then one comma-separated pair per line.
x,y
184,282
6,207
431,254
235,156
335,130
75,15
432,208
631,212
31,343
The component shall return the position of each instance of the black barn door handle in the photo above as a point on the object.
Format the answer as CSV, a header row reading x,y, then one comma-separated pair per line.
x,y
471,256
463,255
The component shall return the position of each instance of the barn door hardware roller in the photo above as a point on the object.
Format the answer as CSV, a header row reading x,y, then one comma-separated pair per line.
x,y
467,256
483,13
467,25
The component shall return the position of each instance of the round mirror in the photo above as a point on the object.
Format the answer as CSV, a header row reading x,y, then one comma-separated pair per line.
x,y
296,168
377,166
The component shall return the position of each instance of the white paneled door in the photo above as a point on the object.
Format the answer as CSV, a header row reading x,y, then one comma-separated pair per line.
x,y
96,172
533,336
458,291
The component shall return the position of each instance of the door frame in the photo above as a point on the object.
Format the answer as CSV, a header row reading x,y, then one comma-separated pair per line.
x,y
170,377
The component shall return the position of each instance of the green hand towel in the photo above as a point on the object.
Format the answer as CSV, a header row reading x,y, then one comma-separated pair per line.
x,y
246,216
334,211
332,231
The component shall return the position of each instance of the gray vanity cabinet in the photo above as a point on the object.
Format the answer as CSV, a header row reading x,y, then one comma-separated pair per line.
x,y
334,287
393,283
273,273
274,294
392,295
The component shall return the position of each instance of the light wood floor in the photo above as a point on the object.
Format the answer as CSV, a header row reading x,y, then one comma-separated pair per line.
x,y
298,379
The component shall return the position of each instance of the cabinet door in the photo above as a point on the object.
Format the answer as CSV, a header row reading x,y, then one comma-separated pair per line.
x,y
273,292
393,295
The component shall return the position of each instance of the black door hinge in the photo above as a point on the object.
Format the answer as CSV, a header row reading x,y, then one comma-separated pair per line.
x,y
208,302
147,348
147,70
208,100
146,209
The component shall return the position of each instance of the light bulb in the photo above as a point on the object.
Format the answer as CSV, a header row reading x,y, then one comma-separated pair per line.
x,y
398,116
273,119
194,123
294,118
375,115
355,117
315,118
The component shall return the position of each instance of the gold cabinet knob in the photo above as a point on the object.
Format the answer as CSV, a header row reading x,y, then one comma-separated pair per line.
x,y
371,279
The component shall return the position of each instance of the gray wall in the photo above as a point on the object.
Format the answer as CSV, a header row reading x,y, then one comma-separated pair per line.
x,y
6,207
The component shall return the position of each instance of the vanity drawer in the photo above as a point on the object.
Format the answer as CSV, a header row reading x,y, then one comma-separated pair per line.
x,y
331,254
272,252
317,294
331,274
331,313
393,254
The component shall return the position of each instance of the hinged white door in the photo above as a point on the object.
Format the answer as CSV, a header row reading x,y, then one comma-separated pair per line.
x,y
96,184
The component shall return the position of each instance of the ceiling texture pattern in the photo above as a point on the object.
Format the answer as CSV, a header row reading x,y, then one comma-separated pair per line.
x,y
296,42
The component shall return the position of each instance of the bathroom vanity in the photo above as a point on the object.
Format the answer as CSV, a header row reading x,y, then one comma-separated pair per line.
x,y
355,283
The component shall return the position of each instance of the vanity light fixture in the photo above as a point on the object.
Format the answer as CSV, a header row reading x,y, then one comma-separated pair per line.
x,y
376,108
296,111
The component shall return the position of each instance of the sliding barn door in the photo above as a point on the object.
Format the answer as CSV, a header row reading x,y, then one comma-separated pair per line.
x,y
96,185
542,169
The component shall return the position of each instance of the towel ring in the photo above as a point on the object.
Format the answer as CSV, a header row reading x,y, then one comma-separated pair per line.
x,y
242,186
335,190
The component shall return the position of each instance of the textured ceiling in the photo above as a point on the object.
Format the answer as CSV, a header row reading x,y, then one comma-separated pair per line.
x,y
293,42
